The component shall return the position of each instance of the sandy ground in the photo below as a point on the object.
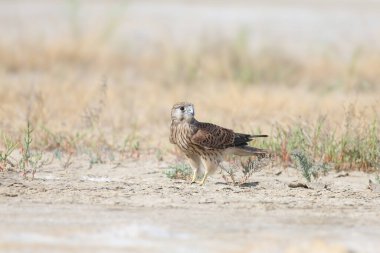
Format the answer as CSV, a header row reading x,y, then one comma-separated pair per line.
x,y
135,207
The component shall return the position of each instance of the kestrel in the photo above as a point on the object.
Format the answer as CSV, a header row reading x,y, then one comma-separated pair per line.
x,y
206,144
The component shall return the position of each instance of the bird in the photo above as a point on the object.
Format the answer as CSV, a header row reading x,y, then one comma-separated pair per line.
x,y
204,144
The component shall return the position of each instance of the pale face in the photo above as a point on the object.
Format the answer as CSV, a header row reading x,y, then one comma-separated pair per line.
x,y
183,111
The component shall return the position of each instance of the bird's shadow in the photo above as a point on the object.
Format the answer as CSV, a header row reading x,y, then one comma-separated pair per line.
x,y
249,184
243,185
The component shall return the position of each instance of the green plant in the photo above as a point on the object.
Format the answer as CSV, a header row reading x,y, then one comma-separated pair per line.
x,y
25,150
353,144
30,161
131,146
64,159
244,167
309,168
37,161
94,157
304,164
178,171
377,178
9,147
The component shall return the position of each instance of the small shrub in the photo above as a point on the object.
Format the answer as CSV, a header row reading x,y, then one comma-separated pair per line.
x,y
309,168
240,170
250,166
179,171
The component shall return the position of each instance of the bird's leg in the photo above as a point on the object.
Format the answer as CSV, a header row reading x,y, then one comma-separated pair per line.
x,y
210,165
195,172
194,164
204,179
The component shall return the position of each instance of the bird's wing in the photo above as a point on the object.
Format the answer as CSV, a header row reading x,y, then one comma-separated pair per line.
x,y
215,137
212,136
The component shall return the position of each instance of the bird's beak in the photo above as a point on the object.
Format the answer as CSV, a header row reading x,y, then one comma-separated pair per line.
x,y
190,110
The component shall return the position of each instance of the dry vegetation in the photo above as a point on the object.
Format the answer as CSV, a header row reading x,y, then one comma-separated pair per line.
x,y
97,96
86,89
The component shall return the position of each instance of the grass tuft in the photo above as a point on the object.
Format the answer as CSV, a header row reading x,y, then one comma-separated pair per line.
x,y
9,147
351,145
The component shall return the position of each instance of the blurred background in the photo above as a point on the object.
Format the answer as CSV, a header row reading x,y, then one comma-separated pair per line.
x,y
86,90
106,73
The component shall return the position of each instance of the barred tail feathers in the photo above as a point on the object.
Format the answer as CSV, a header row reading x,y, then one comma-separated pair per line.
x,y
246,151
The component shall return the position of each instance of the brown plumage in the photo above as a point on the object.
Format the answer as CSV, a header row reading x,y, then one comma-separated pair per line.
x,y
206,144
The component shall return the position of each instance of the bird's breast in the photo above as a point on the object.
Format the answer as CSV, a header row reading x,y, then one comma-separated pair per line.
x,y
181,135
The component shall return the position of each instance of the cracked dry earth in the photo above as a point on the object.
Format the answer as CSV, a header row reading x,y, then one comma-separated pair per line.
x,y
136,208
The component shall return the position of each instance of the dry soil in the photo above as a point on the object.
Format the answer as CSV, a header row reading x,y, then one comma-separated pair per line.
x,y
134,207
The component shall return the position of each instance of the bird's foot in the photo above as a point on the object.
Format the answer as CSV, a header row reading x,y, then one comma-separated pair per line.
x,y
201,183
204,179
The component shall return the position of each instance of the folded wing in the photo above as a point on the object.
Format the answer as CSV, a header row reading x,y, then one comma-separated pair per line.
x,y
211,136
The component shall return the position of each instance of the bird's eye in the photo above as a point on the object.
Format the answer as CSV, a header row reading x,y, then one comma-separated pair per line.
x,y
182,108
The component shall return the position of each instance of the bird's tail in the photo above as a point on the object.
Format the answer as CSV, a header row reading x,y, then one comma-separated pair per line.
x,y
258,135
247,151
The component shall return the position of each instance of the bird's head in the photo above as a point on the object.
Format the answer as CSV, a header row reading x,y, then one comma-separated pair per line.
x,y
183,111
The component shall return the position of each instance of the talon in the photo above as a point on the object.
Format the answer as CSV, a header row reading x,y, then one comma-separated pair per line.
x,y
194,177
204,179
